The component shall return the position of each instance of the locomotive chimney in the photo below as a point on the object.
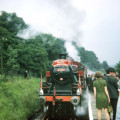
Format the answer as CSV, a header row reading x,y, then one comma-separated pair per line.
x,y
62,56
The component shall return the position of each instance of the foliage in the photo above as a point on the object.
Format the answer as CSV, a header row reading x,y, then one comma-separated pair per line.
x,y
4,32
53,46
11,22
18,98
10,25
32,56
105,65
118,67
9,53
88,58
12,64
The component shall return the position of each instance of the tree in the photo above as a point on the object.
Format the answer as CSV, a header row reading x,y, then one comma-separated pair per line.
x,y
32,56
105,65
54,46
88,58
118,67
12,23
8,53
12,64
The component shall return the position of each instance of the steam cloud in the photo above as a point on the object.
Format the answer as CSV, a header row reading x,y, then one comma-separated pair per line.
x,y
82,110
85,109
60,18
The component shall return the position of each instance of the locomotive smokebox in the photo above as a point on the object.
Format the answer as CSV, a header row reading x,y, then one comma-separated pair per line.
x,y
62,56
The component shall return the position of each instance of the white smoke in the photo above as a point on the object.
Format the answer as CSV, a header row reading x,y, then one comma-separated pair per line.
x,y
72,51
27,33
82,110
85,109
57,17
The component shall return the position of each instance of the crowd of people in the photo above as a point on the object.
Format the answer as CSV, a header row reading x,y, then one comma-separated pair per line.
x,y
106,89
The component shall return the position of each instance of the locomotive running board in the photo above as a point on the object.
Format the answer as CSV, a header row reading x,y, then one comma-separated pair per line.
x,y
63,98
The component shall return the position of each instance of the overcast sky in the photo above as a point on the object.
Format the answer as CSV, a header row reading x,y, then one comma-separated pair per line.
x,y
93,24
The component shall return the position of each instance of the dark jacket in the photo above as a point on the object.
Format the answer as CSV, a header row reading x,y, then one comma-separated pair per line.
x,y
112,86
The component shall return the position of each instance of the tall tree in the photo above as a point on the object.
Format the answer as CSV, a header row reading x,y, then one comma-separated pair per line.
x,y
88,58
12,22
118,67
12,64
10,25
105,65
32,56
54,46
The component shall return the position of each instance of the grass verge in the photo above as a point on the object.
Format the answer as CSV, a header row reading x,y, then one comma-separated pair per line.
x,y
18,98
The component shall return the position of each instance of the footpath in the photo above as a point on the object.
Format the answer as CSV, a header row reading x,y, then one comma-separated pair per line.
x,y
94,109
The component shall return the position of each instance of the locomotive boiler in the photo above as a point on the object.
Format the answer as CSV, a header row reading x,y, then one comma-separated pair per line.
x,y
63,89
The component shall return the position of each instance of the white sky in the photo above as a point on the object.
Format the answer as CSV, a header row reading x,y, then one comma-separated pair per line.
x,y
93,24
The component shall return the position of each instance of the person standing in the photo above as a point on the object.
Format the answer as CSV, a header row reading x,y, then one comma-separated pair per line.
x,y
112,89
91,82
26,74
101,95
88,82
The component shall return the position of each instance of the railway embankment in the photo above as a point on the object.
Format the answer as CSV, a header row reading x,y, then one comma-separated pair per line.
x,y
18,98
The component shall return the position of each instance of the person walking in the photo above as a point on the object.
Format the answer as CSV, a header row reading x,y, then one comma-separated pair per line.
x,y
101,95
112,89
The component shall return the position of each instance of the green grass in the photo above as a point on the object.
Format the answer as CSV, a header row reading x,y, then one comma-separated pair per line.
x,y
18,98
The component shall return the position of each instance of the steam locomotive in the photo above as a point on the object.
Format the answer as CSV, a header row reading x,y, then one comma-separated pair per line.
x,y
64,87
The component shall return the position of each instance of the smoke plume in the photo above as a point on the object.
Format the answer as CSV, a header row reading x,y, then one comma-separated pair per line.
x,y
59,18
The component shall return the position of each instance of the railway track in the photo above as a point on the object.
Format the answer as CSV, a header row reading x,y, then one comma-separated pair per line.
x,y
42,117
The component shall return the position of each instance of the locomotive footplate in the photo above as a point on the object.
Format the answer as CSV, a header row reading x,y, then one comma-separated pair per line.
x,y
63,98
75,100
